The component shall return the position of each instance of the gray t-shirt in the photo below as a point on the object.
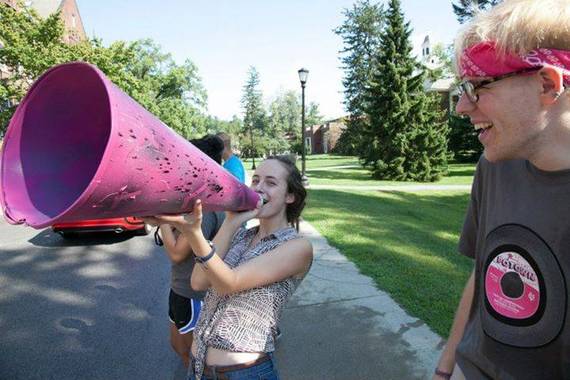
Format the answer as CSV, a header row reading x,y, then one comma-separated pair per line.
x,y
180,278
518,230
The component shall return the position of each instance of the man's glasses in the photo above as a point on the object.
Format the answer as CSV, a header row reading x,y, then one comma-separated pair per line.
x,y
470,89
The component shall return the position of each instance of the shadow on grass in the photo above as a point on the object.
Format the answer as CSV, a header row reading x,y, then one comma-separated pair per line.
x,y
407,242
356,174
468,172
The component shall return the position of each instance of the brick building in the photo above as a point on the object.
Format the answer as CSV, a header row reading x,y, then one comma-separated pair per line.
x,y
74,30
322,138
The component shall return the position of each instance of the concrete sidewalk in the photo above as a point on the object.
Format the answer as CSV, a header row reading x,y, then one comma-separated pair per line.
x,y
340,326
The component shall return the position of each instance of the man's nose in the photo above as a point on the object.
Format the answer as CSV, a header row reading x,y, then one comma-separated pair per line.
x,y
464,106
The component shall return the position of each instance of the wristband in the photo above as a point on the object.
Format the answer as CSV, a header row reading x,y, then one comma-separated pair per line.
x,y
204,259
157,239
440,373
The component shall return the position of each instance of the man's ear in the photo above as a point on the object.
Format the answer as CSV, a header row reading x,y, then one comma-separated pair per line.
x,y
551,80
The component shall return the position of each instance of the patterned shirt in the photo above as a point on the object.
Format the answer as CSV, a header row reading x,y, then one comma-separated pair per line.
x,y
244,321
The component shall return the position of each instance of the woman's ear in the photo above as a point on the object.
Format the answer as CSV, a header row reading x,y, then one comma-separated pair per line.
x,y
551,80
290,198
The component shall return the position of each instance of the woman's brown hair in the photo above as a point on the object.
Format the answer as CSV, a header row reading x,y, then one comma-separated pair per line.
x,y
295,187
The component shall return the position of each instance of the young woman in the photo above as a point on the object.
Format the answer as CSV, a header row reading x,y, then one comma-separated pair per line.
x,y
184,304
249,274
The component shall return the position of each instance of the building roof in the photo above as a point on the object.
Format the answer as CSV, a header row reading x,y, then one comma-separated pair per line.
x,y
444,84
45,7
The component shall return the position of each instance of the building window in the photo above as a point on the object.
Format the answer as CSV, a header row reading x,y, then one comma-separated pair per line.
x,y
73,22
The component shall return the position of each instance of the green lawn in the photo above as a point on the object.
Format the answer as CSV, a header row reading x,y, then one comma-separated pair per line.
x,y
407,242
314,161
458,174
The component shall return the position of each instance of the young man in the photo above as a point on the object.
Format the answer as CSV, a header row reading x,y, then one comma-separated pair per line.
x,y
512,321
232,163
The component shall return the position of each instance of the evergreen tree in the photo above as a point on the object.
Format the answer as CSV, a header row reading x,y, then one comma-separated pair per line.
x,y
284,124
407,139
254,118
360,33
466,9
463,140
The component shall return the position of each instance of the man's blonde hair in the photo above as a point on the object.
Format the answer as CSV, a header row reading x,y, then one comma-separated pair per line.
x,y
519,26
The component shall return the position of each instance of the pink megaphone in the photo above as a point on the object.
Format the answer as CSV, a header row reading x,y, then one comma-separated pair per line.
x,y
80,148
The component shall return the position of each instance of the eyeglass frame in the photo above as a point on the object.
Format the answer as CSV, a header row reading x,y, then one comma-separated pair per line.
x,y
468,88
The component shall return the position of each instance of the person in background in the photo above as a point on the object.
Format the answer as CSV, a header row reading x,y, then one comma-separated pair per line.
x,y
512,320
184,304
232,163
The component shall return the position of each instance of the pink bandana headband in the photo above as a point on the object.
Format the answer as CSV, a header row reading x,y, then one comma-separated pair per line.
x,y
482,60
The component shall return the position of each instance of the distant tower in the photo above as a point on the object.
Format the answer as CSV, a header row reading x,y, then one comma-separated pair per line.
x,y
426,49
428,58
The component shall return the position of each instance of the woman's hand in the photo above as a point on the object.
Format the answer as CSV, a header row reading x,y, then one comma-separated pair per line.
x,y
239,218
150,220
190,223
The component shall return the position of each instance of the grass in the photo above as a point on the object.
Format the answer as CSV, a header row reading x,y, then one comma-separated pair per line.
x,y
361,177
458,174
407,242
319,172
314,161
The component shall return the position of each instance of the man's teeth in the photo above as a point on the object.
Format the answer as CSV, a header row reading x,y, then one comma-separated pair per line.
x,y
479,126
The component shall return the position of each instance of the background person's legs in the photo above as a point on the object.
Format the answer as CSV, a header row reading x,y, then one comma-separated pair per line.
x,y
181,343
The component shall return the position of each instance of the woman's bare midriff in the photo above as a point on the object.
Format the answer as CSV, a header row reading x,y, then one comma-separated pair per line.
x,y
218,357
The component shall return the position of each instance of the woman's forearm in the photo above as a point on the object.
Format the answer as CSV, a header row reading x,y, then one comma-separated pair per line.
x,y
176,249
215,272
224,237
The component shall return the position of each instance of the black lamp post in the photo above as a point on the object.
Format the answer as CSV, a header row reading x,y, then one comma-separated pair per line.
x,y
303,74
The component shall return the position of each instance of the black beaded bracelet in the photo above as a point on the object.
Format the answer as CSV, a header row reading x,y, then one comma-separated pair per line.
x,y
204,259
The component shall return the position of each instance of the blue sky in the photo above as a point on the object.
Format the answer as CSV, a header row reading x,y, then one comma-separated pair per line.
x,y
224,37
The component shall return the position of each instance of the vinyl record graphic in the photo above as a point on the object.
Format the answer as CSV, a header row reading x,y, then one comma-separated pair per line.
x,y
523,288
514,288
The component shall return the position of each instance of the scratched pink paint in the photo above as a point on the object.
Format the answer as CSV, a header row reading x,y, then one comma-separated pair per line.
x,y
80,148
